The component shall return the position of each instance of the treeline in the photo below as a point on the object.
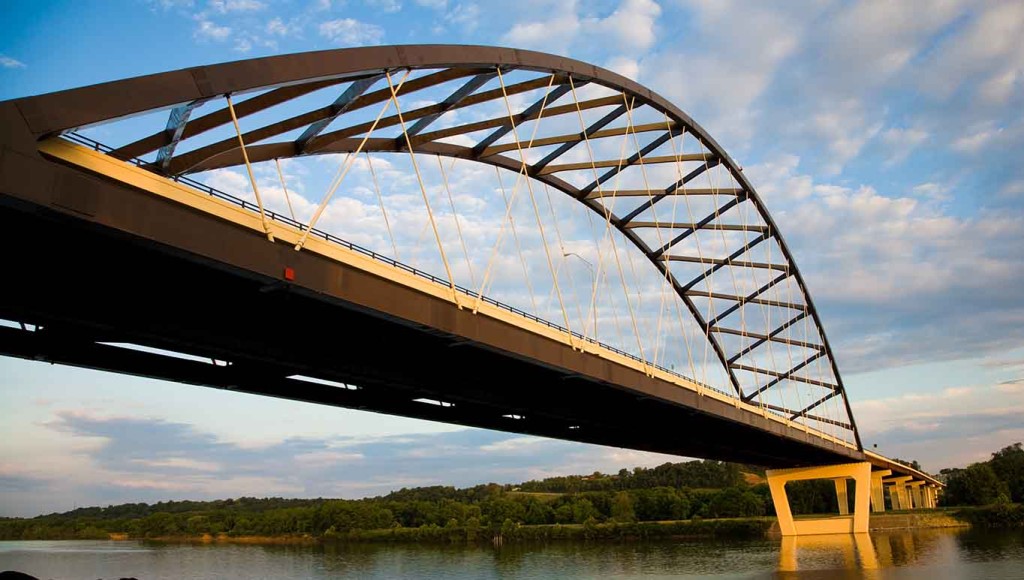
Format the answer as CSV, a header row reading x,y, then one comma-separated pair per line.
x,y
998,480
697,490
693,475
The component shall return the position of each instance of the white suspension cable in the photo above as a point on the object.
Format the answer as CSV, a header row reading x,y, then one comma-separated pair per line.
x,y
287,198
533,200
423,188
248,169
348,163
383,211
455,216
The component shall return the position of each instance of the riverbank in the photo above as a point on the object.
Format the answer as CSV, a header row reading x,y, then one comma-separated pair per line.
x,y
730,528
734,528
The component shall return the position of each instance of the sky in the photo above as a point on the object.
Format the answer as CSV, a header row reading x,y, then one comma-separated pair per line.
x,y
884,138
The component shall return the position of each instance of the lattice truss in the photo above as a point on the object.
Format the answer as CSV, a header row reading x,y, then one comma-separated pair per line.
x,y
380,159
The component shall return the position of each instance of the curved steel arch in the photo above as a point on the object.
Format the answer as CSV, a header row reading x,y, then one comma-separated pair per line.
x,y
290,76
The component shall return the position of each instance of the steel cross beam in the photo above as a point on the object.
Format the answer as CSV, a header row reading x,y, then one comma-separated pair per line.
x,y
449,103
705,221
623,164
771,336
674,189
803,412
176,122
772,373
719,264
752,295
784,376
581,137
528,113
221,117
338,108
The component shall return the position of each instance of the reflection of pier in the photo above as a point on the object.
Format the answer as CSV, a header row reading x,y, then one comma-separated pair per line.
x,y
854,550
830,552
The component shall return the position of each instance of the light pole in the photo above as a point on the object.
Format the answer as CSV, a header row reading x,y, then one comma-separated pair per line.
x,y
593,293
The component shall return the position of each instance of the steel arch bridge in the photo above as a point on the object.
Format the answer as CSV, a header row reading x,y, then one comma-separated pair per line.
x,y
605,141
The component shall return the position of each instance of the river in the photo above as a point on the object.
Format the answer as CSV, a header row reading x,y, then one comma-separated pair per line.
x,y
933,554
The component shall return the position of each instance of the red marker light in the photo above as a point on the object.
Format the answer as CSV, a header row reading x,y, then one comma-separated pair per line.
x,y
289,274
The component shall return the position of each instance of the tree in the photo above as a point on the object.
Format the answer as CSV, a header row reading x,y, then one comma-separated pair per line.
x,y
911,464
582,510
622,508
976,485
498,509
735,502
1008,465
538,512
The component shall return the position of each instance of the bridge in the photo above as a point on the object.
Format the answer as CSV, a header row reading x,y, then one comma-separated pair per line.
x,y
122,256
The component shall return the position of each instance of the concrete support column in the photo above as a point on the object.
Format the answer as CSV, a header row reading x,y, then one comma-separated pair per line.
x,y
841,496
894,497
857,523
898,492
915,490
878,490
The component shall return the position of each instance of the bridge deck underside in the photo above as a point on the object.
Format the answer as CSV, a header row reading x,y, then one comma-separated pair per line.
x,y
96,262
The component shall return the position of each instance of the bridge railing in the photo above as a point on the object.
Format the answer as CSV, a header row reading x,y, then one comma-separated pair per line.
x,y
244,204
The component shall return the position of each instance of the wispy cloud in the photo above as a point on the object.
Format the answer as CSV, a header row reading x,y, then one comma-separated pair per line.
x,y
8,62
351,32
207,30
145,459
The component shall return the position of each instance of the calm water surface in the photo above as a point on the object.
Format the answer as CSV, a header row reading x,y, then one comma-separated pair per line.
x,y
932,554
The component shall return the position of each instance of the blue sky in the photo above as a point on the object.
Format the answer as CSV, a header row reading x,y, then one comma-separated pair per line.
x,y
884,137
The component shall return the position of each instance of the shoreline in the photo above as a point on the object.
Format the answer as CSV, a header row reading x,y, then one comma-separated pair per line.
x,y
994,516
732,528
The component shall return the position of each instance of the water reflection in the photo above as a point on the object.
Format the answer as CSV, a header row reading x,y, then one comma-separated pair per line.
x,y
941,553
894,553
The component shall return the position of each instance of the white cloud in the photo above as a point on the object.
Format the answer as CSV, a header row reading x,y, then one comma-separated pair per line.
x,y
631,25
1013,189
226,6
902,142
553,33
719,72
1001,85
778,181
169,4
388,6
209,31
464,16
435,4
846,126
625,66
933,191
8,62
351,32
986,55
868,43
277,27
924,425
977,139
243,45
179,463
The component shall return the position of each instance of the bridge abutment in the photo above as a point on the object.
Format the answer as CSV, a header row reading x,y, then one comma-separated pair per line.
x,y
844,523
